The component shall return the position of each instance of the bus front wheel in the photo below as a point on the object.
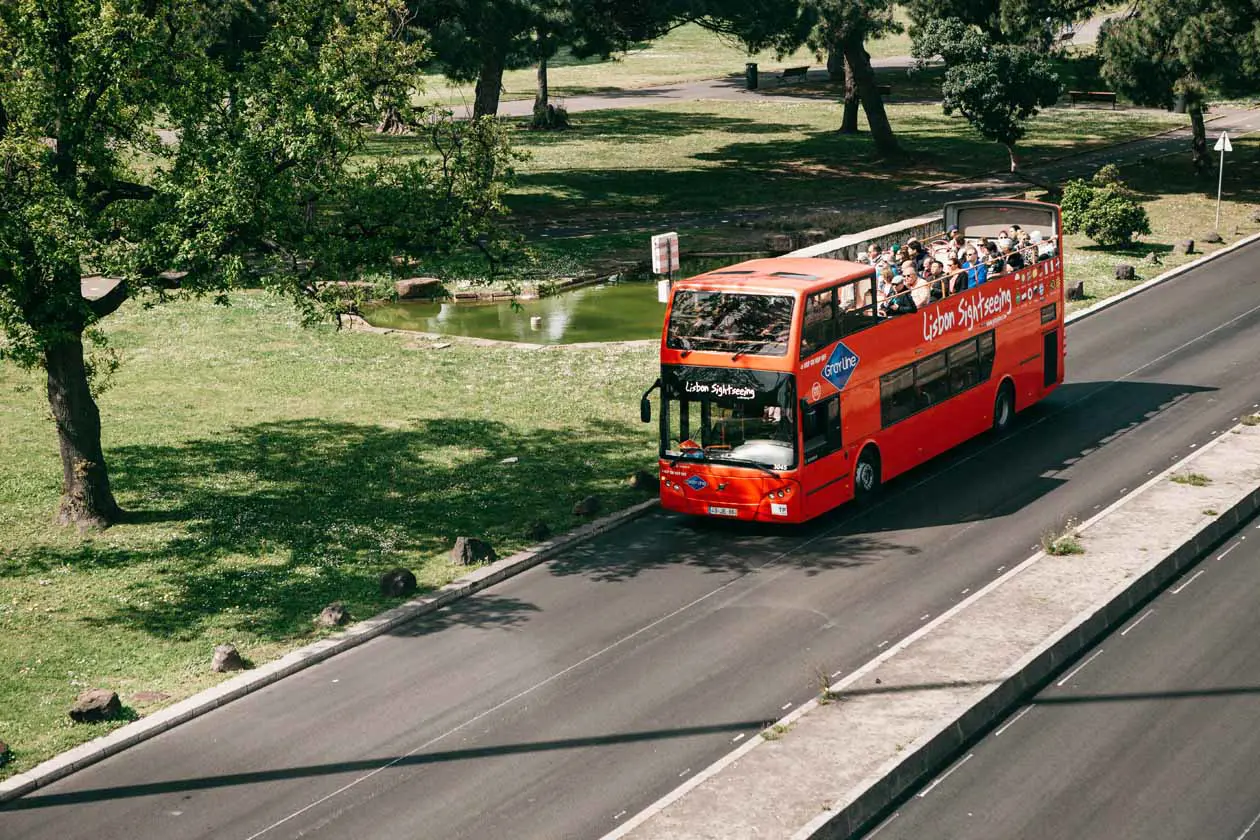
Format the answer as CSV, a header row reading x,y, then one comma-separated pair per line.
x,y
866,475
1004,408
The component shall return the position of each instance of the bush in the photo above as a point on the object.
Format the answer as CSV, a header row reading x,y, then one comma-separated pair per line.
x,y
1105,213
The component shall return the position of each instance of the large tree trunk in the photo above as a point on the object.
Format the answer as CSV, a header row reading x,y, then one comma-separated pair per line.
x,y
86,499
1198,142
849,122
542,97
489,82
864,77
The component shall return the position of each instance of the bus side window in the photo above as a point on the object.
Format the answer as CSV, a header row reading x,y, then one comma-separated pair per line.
x,y
964,366
865,312
931,381
986,356
896,395
821,326
820,423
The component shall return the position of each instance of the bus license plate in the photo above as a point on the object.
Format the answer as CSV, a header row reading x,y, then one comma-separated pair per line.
x,y
714,510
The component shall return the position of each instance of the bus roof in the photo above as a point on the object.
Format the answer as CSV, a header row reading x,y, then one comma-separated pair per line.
x,y
779,274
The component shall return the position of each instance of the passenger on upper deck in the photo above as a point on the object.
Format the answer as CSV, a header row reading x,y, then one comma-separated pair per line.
x,y
873,254
900,302
977,271
917,286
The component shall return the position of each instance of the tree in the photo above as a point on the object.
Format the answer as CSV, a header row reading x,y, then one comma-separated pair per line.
x,y
1023,22
263,104
997,88
1164,49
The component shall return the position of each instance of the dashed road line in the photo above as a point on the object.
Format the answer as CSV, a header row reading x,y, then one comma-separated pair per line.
x,y
1192,579
1142,618
944,776
1008,724
1078,668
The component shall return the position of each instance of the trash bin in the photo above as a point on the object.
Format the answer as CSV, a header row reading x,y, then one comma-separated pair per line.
x,y
750,75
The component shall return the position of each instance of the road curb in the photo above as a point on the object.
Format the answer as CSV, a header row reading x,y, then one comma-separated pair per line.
x,y
1171,273
894,781
250,681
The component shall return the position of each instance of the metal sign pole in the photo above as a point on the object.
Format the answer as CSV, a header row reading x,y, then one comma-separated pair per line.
x,y
1222,145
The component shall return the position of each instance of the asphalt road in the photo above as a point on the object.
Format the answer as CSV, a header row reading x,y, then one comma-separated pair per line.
x,y
1154,733
563,700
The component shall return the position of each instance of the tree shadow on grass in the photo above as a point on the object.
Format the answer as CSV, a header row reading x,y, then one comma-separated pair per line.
x,y
271,522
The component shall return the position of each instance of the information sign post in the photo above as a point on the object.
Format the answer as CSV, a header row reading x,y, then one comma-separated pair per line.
x,y
1222,145
664,261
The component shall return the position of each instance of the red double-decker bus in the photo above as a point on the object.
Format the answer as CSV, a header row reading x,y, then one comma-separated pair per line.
x,y
787,388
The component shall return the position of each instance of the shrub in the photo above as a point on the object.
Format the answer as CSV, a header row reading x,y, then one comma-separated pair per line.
x,y
1106,214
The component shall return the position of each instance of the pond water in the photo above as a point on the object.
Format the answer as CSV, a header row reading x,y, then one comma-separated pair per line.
x,y
606,312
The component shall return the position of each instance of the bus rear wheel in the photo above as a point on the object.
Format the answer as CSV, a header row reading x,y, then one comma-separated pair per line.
x,y
866,476
1004,409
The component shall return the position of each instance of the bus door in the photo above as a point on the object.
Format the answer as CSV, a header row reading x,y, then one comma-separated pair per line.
x,y
1050,358
823,467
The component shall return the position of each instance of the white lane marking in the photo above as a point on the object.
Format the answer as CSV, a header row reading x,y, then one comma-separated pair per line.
x,y
785,707
925,617
1188,582
619,815
1000,568
1141,618
881,644
837,673
684,773
944,776
1250,826
492,710
1228,550
1008,724
1078,668
965,591
880,827
738,737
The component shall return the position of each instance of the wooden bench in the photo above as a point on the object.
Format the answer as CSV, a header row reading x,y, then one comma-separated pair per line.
x,y
1092,96
1064,37
797,73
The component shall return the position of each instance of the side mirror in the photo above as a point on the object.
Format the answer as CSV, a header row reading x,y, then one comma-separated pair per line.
x,y
645,410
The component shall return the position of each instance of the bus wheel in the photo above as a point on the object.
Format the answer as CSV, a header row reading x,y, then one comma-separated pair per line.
x,y
1004,408
866,475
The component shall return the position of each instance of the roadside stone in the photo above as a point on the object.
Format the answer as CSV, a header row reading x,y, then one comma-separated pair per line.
x,y
398,583
1184,247
470,551
419,287
538,531
226,658
96,705
1212,237
1076,291
644,480
1255,217
1153,259
780,243
333,615
1124,271
587,507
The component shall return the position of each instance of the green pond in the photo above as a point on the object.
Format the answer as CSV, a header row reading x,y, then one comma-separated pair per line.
x,y
606,312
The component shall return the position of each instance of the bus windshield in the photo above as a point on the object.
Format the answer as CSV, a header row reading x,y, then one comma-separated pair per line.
x,y
743,417
753,324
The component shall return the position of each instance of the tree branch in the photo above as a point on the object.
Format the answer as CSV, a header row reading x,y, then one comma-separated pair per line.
x,y
122,191
108,303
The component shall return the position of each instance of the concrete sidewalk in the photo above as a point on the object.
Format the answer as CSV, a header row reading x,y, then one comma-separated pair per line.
x,y
831,767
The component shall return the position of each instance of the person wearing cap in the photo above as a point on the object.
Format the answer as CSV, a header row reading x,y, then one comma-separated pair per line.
x,y
900,302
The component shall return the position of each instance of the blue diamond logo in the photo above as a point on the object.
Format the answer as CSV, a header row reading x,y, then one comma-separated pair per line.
x,y
840,366
695,482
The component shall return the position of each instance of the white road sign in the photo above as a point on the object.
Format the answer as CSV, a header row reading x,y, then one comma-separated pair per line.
x,y
1223,144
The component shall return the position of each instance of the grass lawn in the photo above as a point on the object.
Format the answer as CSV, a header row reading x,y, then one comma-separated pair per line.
x,y
686,54
1180,206
269,471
